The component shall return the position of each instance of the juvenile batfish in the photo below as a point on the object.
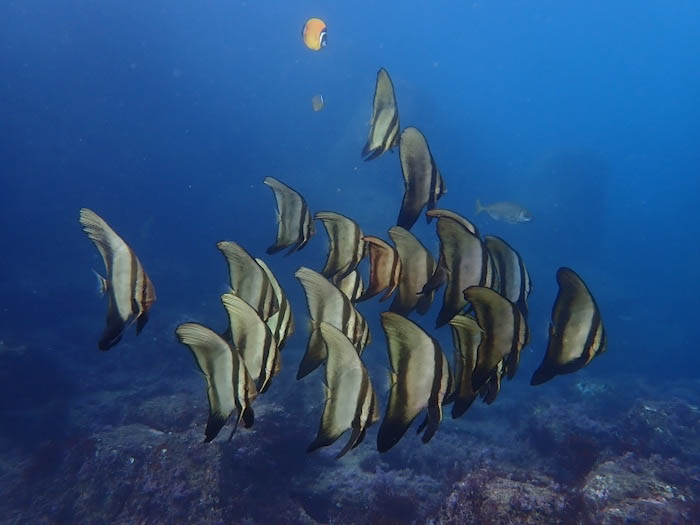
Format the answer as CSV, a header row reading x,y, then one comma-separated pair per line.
x,y
294,224
505,211
514,280
327,303
423,184
384,268
248,280
466,261
253,340
505,333
439,276
576,333
417,265
346,245
351,402
128,288
420,378
229,386
384,125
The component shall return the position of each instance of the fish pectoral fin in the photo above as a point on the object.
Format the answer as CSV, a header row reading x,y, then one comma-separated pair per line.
x,y
102,283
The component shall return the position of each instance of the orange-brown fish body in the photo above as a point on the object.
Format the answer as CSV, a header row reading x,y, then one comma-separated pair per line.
x,y
314,34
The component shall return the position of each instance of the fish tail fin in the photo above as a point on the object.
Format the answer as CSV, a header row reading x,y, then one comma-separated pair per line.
x,y
479,207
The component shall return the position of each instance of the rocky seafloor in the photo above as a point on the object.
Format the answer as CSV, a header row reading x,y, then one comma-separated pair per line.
x,y
115,451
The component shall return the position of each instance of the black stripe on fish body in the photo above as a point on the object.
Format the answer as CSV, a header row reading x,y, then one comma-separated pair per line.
x,y
268,361
513,358
434,407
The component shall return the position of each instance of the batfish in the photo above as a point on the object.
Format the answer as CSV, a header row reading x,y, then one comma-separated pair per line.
x,y
294,224
253,339
346,246
248,280
327,303
576,333
423,184
229,386
384,125
505,333
466,262
514,279
129,290
417,265
420,378
384,268
439,277
351,402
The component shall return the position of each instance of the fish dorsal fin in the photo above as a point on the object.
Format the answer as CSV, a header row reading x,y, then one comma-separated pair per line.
x,y
292,217
417,266
384,268
412,354
105,239
440,212
346,245
252,339
248,280
499,319
420,175
465,260
219,366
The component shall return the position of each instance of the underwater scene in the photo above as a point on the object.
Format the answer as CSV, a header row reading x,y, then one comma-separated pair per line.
x,y
349,262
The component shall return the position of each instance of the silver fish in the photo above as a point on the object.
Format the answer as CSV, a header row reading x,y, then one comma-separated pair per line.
x,y
504,211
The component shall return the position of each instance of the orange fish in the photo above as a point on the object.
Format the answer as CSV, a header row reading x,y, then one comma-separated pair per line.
x,y
314,34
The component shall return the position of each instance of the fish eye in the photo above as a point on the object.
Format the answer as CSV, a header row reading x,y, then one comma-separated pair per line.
x,y
323,39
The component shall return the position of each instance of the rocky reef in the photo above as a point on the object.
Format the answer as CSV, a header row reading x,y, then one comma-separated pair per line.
x,y
582,450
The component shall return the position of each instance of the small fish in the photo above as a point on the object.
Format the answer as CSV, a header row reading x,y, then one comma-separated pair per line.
x,y
505,211
317,102
314,34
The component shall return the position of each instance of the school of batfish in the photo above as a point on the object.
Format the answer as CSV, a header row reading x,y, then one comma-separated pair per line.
x,y
486,287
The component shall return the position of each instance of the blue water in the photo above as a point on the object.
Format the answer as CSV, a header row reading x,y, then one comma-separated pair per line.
x,y
164,117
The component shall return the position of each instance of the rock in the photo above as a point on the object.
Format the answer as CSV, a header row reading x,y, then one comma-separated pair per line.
x,y
489,497
629,489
